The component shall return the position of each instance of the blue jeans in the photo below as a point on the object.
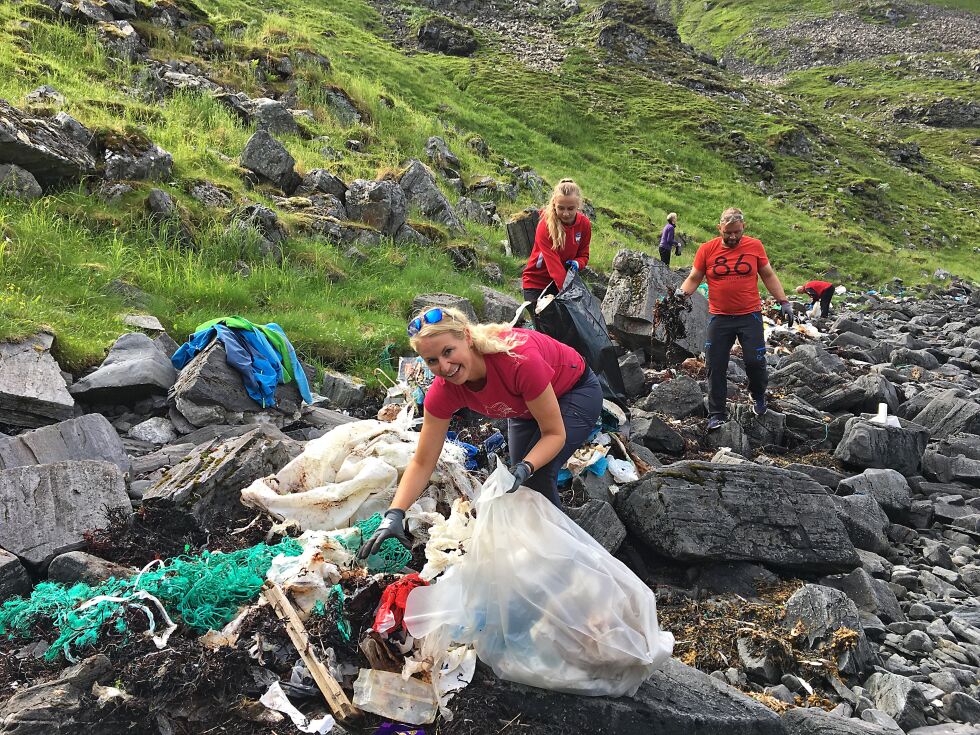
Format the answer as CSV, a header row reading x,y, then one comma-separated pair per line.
x,y
580,408
722,332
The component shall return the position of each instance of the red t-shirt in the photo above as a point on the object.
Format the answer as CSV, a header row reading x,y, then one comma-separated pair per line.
x,y
732,273
817,287
511,382
545,264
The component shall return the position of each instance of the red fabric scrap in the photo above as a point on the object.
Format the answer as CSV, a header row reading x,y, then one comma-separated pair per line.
x,y
391,610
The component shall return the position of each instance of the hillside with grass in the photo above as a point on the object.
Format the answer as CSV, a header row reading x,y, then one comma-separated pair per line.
x,y
864,167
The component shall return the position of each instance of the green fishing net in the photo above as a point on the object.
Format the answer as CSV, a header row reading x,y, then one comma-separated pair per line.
x,y
391,557
205,592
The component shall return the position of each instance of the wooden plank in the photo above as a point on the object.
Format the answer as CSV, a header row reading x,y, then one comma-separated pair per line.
x,y
337,700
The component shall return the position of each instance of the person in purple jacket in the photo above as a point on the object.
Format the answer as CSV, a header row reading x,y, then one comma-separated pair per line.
x,y
667,238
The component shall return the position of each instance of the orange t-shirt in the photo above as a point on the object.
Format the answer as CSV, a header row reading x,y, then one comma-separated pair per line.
x,y
732,273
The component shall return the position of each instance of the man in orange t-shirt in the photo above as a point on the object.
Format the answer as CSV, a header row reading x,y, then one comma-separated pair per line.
x,y
733,263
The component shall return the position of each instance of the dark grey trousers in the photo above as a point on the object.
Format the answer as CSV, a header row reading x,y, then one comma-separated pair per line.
x,y
580,408
722,332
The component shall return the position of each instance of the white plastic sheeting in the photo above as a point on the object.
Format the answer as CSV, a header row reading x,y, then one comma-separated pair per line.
x,y
541,601
352,472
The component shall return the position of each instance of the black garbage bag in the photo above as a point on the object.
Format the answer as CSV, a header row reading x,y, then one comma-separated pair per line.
x,y
575,318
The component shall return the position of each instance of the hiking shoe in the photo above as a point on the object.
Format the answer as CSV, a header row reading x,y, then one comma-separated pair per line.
x,y
715,423
759,407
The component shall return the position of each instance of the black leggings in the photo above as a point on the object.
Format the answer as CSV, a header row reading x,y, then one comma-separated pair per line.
x,y
580,408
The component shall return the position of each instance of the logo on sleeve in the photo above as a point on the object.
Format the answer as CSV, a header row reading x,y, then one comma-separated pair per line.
x,y
578,238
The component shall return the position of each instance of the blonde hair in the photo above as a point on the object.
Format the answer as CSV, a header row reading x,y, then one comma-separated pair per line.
x,y
488,339
672,218
564,188
732,214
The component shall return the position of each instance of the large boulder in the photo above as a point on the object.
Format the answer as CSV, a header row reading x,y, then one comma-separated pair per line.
x,y
78,566
343,391
135,368
867,444
865,521
499,308
87,437
210,391
899,697
137,159
445,36
42,147
675,699
699,511
419,186
600,521
47,508
267,157
680,397
33,392
636,284
443,300
272,115
654,433
948,414
815,721
18,183
379,204
13,576
889,488
814,384
818,612
208,482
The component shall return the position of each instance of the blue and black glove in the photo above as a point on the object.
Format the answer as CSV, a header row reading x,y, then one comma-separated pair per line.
x,y
393,526
572,265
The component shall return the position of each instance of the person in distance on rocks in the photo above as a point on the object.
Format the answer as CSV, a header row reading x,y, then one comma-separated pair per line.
x,y
667,239
733,263
549,396
818,291
561,242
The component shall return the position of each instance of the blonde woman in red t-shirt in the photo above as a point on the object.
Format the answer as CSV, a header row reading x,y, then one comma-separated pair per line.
x,y
561,241
733,263
549,396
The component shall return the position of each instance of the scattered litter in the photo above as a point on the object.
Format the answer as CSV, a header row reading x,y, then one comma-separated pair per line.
x,y
105,694
394,728
275,699
622,470
447,540
391,609
389,695
884,419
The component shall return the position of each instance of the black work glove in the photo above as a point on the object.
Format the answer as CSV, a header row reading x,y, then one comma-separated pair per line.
x,y
393,526
520,472
787,309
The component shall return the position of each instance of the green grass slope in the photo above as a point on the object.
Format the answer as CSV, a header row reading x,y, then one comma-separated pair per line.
x,y
640,143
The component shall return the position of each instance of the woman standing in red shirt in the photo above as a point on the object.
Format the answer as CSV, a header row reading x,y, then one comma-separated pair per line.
x,y
561,241
549,396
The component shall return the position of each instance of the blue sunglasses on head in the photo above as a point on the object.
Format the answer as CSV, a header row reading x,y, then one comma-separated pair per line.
x,y
432,316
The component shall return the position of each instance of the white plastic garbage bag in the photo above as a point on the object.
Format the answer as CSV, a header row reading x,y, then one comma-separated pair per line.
x,y
350,473
542,602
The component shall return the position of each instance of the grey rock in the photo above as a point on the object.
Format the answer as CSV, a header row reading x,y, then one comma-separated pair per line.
x,y
600,521
151,163
87,437
73,129
888,487
865,522
321,180
760,431
732,436
816,357
134,369
498,308
636,283
41,147
680,398
33,391
870,445
696,511
877,389
757,665
946,469
870,595
815,721
632,372
210,195
44,96
445,36
848,324
948,414
77,566
208,482
143,321
267,157
884,722
419,186
821,611
343,391
824,475
484,213
813,384
739,578
875,565
380,204
48,507
209,391
18,183
961,707
57,705
898,697
120,39
161,205
440,155
341,106
675,699
265,223
273,116
13,576
946,729
156,430
654,433
922,358
443,300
